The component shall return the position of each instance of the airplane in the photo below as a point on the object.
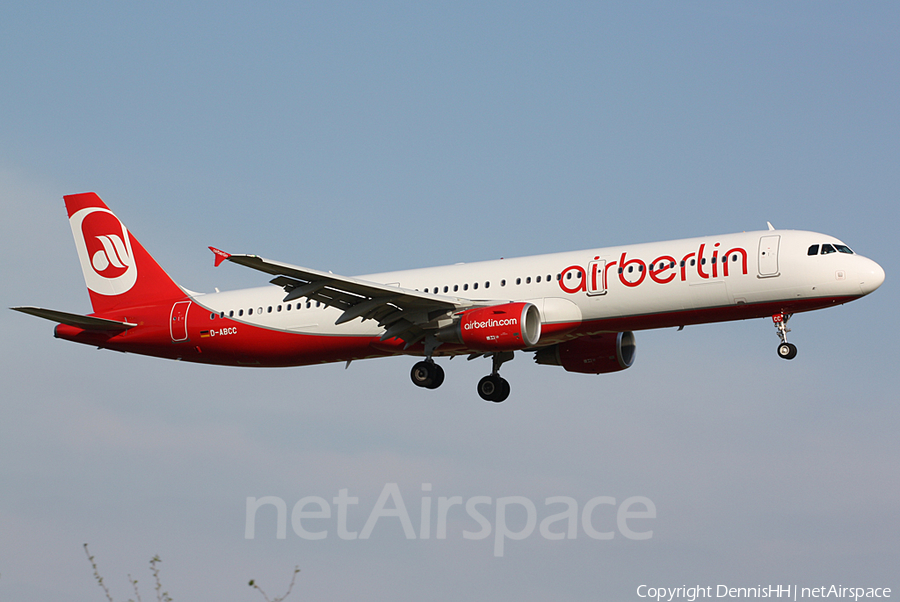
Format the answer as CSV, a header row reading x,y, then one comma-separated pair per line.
x,y
577,310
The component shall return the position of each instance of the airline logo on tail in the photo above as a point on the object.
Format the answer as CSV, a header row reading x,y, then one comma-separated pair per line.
x,y
104,248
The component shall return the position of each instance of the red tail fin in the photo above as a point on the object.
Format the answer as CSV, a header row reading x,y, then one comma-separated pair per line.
x,y
118,272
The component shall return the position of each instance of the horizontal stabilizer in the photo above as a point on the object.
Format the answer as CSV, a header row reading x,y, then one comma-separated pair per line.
x,y
76,320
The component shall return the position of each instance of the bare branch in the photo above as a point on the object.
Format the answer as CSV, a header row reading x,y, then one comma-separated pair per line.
x,y
135,586
254,585
97,576
161,596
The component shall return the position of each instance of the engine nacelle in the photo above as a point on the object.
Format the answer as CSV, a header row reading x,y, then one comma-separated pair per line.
x,y
591,354
506,327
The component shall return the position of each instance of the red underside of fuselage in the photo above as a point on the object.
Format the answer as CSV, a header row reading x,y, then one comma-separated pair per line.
x,y
253,345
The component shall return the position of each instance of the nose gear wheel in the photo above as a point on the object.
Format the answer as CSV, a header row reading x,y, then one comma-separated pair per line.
x,y
786,350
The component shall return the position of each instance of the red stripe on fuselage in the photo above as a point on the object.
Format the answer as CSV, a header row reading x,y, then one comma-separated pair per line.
x,y
234,343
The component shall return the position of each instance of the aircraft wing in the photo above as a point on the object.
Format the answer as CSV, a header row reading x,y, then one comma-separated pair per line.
x,y
77,320
402,312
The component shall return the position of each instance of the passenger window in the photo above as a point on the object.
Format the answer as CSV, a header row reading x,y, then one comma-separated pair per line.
x,y
813,250
518,281
538,279
826,249
250,312
240,312
466,287
487,284
528,280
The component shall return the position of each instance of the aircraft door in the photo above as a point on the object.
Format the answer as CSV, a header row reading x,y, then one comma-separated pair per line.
x,y
178,321
768,256
596,277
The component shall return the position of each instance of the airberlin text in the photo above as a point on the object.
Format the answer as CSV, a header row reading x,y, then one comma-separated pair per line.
x,y
492,323
507,518
662,270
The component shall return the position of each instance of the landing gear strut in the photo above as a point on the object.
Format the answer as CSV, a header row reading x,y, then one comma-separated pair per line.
x,y
494,387
786,350
426,373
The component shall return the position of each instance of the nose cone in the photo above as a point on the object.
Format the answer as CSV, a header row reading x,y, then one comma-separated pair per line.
x,y
871,277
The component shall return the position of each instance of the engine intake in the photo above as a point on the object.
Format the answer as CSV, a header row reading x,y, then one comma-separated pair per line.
x,y
506,327
591,354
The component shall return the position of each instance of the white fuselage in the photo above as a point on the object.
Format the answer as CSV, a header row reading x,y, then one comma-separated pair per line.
x,y
639,286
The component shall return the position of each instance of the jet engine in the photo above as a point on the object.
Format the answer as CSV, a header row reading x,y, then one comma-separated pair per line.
x,y
591,354
506,327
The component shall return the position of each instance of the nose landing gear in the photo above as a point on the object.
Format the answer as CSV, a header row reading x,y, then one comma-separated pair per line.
x,y
786,350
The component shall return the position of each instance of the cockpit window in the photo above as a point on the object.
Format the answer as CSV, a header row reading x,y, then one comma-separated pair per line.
x,y
830,248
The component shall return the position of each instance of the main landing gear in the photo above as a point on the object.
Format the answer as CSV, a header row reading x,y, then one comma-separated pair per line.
x,y
492,387
427,374
786,350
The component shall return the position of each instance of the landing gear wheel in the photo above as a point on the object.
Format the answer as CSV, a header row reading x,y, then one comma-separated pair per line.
x,y
427,374
787,351
504,393
438,377
493,388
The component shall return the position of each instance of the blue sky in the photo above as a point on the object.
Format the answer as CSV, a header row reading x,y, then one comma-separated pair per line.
x,y
361,138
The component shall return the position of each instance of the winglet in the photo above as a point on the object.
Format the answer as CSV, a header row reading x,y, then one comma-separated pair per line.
x,y
220,255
